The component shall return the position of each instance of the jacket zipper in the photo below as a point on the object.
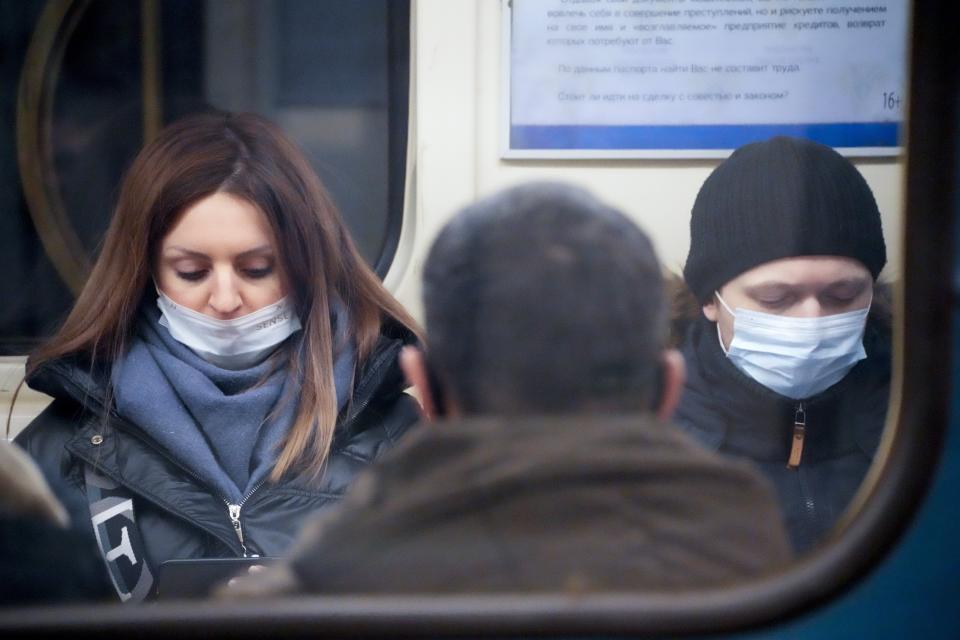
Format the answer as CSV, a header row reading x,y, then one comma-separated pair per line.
x,y
231,508
233,512
796,454
799,432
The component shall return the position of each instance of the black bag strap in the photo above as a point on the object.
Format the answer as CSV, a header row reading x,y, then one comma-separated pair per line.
x,y
118,536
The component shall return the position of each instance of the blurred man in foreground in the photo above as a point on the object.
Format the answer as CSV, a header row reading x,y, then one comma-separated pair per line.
x,y
551,466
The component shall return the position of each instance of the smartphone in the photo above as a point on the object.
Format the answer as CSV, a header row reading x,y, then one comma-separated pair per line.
x,y
196,577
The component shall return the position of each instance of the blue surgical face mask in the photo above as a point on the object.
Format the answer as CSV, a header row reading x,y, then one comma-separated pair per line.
x,y
795,357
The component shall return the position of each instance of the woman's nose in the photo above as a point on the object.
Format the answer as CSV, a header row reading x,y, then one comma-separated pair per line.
x,y
225,300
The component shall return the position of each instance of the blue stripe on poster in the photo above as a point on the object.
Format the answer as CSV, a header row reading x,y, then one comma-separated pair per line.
x,y
838,134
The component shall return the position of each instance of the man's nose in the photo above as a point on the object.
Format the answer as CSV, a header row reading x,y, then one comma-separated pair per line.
x,y
811,308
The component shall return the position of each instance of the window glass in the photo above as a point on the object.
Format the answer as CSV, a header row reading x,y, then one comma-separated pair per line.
x,y
771,247
334,76
95,80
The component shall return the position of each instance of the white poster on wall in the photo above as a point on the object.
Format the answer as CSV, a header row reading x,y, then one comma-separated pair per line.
x,y
698,78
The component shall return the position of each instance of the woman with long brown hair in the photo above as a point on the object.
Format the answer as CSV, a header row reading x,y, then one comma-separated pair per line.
x,y
231,362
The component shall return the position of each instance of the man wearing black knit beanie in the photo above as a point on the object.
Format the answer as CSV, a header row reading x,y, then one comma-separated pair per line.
x,y
789,356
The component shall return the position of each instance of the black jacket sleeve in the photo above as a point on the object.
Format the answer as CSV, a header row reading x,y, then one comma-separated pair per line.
x,y
45,439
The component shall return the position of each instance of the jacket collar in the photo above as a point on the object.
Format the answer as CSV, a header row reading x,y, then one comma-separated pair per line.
x,y
135,462
380,377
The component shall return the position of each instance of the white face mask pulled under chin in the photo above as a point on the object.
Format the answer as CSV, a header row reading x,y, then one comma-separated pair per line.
x,y
795,357
238,343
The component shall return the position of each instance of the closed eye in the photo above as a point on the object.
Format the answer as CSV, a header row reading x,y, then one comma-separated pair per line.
x,y
192,276
258,273
839,299
773,296
775,303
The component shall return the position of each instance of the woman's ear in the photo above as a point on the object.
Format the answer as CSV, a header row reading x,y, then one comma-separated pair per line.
x,y
674,373
414,366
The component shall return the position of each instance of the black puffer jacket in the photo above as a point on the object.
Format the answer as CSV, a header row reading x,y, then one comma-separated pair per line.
x,y
731,413
179,517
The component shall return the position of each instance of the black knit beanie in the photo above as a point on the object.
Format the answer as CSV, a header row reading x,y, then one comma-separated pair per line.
x,y
776,199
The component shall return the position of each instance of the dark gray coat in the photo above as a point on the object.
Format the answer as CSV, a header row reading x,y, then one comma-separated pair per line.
x,y
582,503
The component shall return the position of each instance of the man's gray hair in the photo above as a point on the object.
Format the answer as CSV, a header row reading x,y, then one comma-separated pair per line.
x,y
542,299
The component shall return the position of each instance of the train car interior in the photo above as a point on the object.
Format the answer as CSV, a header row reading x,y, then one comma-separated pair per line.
x,y
411,110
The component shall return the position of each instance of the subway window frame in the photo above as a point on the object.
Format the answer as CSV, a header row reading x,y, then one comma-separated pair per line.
x,y
883,510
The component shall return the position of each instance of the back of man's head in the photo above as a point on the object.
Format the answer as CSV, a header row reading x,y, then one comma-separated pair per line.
x,y
543,300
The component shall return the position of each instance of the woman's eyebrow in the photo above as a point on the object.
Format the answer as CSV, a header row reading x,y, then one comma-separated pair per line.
x,y
262,249
185,251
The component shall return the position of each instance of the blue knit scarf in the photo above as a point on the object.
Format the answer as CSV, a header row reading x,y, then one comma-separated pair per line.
x,y
224,425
